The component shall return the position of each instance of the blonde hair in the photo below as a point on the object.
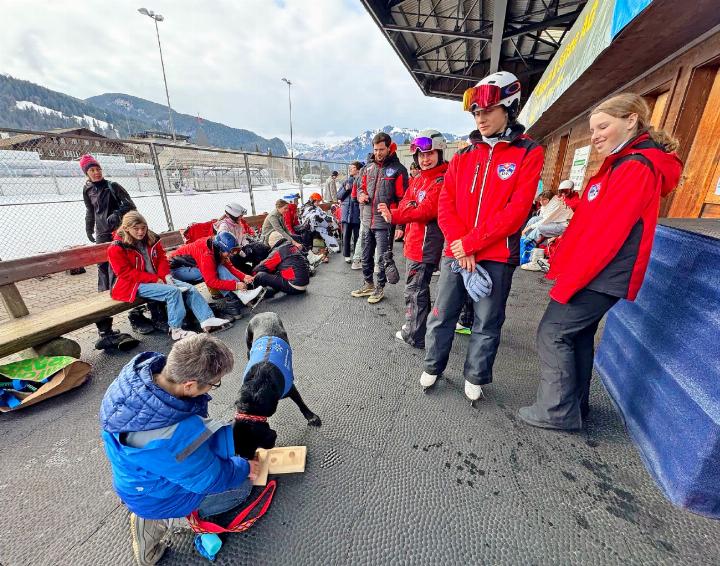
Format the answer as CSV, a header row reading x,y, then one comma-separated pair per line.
x,y
131,219
623,105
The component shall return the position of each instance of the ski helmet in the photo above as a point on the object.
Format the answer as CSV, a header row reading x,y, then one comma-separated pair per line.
x,y
225,242
499,89
428,140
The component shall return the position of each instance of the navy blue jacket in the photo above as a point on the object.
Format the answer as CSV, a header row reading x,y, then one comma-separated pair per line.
x,y
350,207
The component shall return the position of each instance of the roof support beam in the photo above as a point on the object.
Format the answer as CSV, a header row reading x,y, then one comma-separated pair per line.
x,y
497,35
436,31
550,22
446,75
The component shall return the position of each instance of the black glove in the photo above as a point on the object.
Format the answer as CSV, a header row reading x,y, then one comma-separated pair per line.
x,y
113,220
91,237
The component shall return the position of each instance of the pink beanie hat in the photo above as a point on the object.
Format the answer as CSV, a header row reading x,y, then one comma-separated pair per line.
x,y
87,161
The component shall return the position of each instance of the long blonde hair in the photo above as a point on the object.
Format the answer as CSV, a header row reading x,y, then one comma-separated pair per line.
x,y
131,219
623,105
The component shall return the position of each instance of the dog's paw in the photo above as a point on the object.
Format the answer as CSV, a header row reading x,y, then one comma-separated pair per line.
x,y
314,421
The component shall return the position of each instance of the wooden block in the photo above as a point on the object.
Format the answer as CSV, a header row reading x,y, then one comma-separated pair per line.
x,y
261,455
287,460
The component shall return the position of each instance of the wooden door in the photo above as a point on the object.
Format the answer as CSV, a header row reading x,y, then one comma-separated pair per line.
x,y
699,175
559,162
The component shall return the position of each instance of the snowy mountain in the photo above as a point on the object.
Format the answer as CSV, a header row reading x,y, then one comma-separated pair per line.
x,y
359,147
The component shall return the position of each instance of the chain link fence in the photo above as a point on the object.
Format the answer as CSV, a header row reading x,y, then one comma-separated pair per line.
x,y
172,185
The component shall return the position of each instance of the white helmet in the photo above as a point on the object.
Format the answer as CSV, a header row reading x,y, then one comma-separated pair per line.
x,y
501,88
235,209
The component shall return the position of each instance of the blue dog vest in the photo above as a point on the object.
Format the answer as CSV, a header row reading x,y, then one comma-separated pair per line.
x,y
276,351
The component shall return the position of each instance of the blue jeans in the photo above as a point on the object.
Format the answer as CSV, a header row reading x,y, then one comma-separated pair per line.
x,y
173,297
193,275
217,503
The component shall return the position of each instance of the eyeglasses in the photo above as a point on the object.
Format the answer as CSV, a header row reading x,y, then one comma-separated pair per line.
x,y
484,96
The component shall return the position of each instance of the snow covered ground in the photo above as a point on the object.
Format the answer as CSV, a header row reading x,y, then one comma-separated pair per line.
x,y
52,222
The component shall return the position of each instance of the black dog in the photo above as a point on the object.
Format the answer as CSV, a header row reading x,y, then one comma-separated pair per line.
x,y
267,379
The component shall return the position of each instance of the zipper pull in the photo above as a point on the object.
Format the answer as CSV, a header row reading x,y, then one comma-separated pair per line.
x,y
477,169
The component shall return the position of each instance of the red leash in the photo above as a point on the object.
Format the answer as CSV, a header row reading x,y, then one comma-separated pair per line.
x,y
251,418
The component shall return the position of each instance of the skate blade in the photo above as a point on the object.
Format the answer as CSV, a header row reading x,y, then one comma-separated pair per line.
x,y
256,301
211,329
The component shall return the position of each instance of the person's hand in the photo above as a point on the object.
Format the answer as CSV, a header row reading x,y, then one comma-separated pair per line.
x,y
385,212
254,469
457,249
398,233
249,279
467,263
363,198
240,286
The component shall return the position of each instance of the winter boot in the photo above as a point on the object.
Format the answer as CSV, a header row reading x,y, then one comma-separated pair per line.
x,y
229,307
535,255
115,340
139,322
365,291
377,295
158,315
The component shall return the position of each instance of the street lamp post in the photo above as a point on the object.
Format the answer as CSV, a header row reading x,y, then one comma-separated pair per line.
x,y
159,18
292,147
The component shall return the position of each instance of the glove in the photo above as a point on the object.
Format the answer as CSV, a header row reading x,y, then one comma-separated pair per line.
x,y
478,283
91,237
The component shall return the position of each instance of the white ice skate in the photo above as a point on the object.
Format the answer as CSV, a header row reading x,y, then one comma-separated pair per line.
x,y
252,297
214,324
427,380
473,392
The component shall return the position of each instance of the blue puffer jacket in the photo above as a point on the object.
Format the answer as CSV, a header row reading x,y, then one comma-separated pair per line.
x,y
350,207
184,456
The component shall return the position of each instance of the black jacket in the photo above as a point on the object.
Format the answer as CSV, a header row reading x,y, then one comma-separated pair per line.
x,y
106,203
289,262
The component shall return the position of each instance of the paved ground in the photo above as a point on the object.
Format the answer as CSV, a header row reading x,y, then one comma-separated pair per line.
x,y
394,476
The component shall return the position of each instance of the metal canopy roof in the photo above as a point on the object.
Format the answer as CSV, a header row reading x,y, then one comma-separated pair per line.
x,y
447,45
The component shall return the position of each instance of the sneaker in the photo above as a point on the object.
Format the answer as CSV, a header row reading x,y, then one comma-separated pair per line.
x,y
213,323
348,260
399,336
544,265
460,329
178,333
365,291
427,379
356,265
148,539
377,295
472,391
376,269
530,266
436,273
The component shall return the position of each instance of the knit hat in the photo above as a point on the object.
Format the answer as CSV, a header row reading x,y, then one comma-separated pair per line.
x,y
315,196
274,238
235,209
566,185
87,161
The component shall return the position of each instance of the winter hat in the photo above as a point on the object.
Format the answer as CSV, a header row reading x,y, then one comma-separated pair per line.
x,y
315,196
334,174
87,161
235,209
274,238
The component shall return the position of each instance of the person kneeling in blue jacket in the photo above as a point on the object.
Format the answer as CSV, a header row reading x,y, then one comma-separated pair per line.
x,y
168,458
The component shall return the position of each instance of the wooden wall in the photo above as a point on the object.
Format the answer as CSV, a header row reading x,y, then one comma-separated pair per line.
x,y
683,101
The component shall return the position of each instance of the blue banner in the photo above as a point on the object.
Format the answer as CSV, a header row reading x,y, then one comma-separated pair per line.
x,y
625,11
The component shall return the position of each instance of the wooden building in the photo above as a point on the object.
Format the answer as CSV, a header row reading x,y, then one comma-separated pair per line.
x,y
669,54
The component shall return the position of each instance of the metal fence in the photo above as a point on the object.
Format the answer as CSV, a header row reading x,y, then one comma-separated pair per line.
x,y
173,185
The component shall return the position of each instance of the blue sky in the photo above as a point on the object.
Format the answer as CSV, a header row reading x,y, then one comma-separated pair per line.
x,y
224,60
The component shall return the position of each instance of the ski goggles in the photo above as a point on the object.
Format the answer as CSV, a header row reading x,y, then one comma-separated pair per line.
x,y
421,144
486,96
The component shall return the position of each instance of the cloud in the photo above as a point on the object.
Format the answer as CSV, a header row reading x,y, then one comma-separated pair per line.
x,y
224,61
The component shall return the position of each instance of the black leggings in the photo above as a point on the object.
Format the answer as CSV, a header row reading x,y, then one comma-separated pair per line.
x,y
350,230
276,282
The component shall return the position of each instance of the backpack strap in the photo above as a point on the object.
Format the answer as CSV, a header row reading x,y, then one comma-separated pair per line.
x,y
634,157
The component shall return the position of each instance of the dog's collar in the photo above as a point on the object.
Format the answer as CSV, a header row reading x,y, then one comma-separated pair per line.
x,y
252,418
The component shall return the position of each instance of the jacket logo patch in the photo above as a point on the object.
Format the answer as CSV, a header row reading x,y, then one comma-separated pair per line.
x,y
505,170
594,191
389,172
421,196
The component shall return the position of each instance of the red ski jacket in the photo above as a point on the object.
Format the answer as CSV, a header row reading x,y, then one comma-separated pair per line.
x,y
418,210
129,267
488,194
289,262
204,258
616,218
291,218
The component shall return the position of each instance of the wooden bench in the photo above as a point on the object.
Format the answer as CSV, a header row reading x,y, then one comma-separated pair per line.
x,y
34,330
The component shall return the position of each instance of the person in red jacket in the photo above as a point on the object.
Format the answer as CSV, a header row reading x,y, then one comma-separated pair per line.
x,y
424,241
138,260
602,256
568,194
488,193
209,260
286,269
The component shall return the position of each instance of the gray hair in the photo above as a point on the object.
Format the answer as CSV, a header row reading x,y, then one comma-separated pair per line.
x,y
200,358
